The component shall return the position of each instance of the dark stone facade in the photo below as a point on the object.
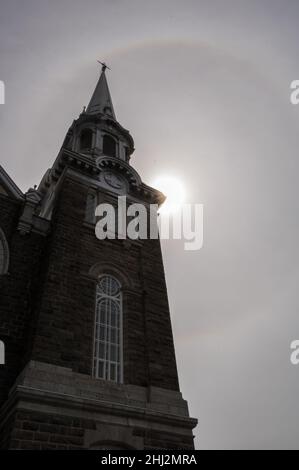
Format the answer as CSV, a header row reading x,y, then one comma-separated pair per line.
x,y
48,396
17,292
68,291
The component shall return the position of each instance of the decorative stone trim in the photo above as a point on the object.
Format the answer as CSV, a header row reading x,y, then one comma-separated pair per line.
x,y
32,200
10,185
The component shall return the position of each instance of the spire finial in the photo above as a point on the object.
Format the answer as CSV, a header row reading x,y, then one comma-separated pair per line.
x,y
104,66
101,102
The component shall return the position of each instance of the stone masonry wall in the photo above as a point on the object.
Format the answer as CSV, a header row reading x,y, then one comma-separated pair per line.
x,y
17,292
65,317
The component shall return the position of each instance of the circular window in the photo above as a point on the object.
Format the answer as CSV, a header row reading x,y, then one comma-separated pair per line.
x,y
108,285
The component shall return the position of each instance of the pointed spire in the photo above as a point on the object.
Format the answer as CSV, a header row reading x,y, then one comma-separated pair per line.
x,y
101,101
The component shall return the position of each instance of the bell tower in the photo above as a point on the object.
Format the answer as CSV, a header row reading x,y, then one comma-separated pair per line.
x,y
97,131
97,368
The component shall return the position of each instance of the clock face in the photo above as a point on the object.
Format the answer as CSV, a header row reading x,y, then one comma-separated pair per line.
x,y
114,180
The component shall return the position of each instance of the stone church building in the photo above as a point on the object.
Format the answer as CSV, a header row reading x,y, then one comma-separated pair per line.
x,y
85,323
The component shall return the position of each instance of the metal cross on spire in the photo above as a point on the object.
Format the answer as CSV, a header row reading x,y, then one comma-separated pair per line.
x,y
104,66
101,102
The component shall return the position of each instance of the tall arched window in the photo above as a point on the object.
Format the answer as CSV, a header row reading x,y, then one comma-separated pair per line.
x,y
91,204
108,330
109,146
86,139
4,253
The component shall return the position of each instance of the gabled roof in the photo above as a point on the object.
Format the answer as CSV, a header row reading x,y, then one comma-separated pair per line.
x,y
8,186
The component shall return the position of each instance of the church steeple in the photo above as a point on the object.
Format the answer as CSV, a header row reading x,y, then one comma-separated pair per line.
x,y
87,322
97,132
101,102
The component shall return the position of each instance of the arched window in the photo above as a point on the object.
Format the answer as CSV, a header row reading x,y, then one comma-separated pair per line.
x,y
108,330
4,253
86,139
109,146
91,204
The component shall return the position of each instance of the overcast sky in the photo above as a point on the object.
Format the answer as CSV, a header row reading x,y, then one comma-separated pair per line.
x,y
203,86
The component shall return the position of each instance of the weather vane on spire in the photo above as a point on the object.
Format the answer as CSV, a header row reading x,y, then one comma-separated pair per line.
x,y
104,66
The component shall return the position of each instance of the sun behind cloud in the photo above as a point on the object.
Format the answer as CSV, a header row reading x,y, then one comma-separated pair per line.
x,y
174,191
